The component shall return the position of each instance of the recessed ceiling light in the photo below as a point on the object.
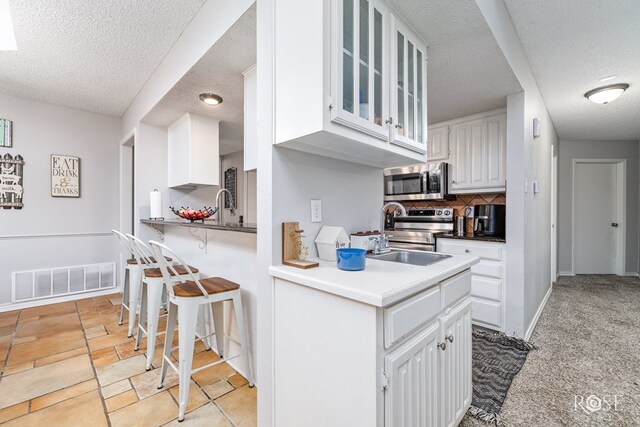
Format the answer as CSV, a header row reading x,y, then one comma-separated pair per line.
x,y
210,98
606,94
7,35
607,78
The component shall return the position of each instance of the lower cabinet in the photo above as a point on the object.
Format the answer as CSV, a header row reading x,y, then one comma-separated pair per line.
x,y
341,362
429,376
487,281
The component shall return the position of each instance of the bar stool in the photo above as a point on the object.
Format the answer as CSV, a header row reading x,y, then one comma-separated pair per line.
x,y
185,298
131,281
152,292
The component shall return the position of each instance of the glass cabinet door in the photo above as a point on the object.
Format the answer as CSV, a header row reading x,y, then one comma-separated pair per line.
x,y
360,88
409,94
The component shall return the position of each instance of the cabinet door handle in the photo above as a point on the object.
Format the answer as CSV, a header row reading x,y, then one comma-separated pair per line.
x,y
467,251
453,181
449,338
389,121
614,224
443,346
398,126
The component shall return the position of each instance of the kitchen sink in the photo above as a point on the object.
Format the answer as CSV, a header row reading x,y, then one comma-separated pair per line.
x,y
410,257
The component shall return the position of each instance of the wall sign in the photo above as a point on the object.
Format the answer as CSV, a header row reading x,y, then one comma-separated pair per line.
x,y
65,176
230,183
6,133
11,174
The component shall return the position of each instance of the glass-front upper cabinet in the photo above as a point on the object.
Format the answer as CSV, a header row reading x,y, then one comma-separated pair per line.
x,y
360,81
408,89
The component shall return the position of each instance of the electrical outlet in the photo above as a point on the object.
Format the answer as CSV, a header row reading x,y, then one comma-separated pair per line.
x,y
316,210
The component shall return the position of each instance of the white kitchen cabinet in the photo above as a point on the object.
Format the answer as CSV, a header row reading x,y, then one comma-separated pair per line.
x,y
193,145
334,81
362,85
477,147
409,88
413,394
456,364
250,119
397,365
438,143
488,278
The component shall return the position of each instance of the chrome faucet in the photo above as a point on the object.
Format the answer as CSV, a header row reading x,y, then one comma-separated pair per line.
x,y
382,240
220,207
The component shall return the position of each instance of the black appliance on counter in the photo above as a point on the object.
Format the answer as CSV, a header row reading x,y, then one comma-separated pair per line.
x,y
489,220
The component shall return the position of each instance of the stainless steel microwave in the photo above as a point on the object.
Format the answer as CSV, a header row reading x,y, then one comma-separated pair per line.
x,y
417,182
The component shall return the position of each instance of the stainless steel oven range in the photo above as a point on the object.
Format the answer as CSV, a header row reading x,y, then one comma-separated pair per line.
x,y
418,229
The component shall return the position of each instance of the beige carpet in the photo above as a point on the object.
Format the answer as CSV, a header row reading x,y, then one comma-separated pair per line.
x,y
589,345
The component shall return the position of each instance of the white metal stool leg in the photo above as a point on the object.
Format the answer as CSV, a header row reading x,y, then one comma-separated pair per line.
x,y
204,326
135,281
142,319
155,290
237,307
168,341
218,323
188,318
125,294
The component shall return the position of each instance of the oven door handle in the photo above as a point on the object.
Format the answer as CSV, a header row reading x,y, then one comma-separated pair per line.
x,y
413,246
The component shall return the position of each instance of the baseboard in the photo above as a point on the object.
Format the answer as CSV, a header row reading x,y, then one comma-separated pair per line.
x,y
54,300
631,274
534,322
566,273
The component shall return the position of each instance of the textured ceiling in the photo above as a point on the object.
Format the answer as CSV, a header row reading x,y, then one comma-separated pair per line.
x,y
218,71
571,44
90,55
467,71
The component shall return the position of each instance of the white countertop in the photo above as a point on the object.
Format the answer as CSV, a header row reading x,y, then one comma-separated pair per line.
x,y
381,283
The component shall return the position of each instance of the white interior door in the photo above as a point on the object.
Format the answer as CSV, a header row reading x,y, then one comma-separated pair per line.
x,y
596,214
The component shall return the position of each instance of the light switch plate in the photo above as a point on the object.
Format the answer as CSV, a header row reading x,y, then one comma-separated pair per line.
x,y
536,187
316,210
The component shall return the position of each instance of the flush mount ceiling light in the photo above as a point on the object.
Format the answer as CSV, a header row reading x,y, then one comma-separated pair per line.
x,y
606,94
210,98
7,35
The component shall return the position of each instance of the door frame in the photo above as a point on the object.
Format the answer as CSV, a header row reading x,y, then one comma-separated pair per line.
x,y
621,194
554,214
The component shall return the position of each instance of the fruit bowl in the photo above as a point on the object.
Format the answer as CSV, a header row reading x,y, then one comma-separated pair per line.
x,y
194,215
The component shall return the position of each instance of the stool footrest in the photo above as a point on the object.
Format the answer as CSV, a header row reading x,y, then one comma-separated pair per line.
x,y
193,371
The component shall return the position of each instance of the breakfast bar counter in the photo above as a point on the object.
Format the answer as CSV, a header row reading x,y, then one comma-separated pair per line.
x,y
211,225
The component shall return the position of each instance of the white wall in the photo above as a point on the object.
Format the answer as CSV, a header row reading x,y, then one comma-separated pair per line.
x,y
528,160
351,195
570,150
65,231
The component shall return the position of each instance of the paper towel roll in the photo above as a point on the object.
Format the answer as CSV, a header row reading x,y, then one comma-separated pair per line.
x,y
155,204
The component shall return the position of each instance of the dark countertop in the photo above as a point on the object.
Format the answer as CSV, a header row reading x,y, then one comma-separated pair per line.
x,y
471,237
246,228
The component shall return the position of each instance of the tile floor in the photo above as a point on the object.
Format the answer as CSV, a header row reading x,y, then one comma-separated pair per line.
x,y
71,364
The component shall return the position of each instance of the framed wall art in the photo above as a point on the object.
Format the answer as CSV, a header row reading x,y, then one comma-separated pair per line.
x,y
6,133
11,184
65,176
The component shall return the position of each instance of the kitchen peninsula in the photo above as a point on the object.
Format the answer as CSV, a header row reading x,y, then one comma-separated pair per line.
x,y
382,346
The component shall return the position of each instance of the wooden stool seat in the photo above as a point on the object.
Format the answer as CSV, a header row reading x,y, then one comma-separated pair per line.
x,y
134,261
213,285
180,269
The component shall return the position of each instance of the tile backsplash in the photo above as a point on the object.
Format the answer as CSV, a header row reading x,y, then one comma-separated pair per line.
x,y
462,201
